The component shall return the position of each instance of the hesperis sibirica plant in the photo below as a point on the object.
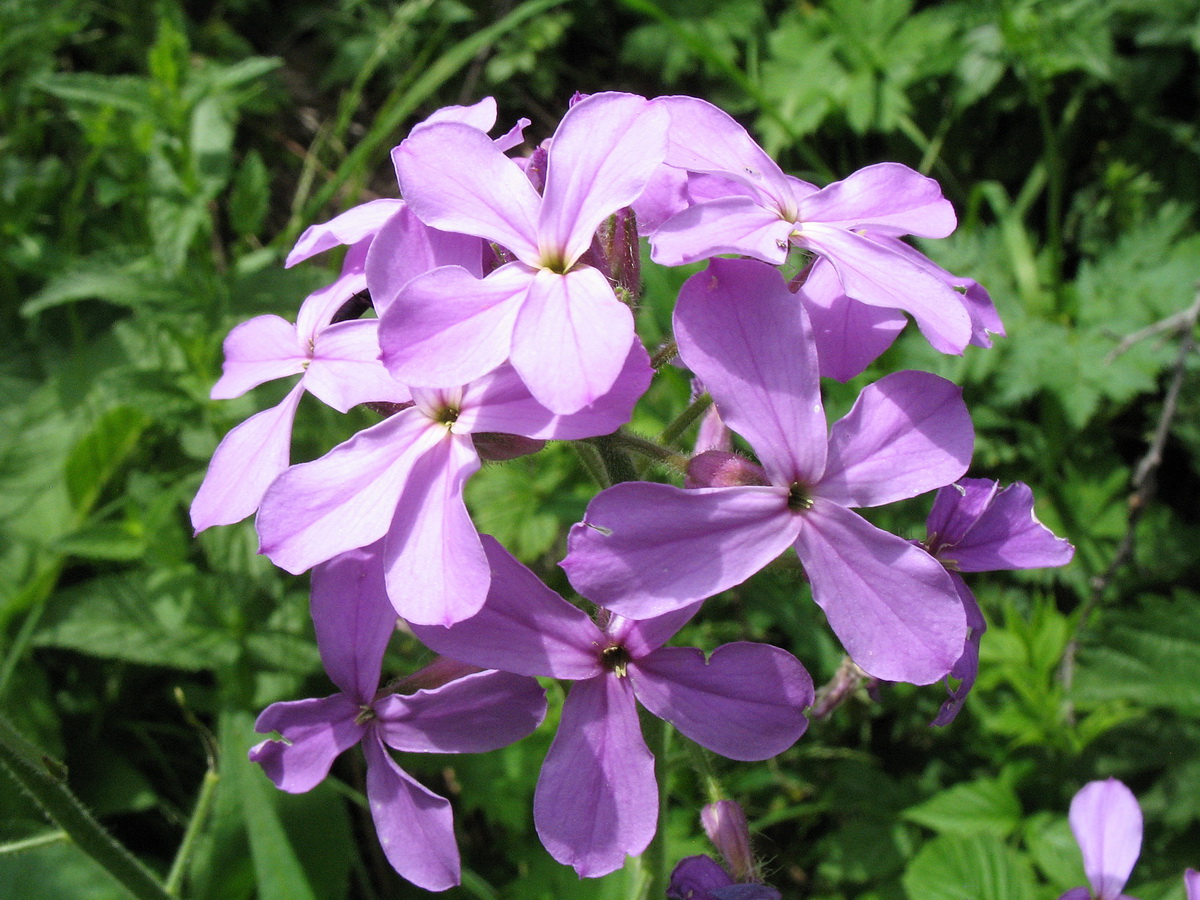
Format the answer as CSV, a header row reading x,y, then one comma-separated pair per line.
x,y
505,293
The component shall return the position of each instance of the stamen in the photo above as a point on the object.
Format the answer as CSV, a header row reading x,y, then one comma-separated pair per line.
x,y
799,498
616,659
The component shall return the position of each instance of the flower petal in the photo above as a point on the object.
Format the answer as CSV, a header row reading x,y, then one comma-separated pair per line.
x,y
248,459
1107,822
886,198
257,351
524,627
966,670
415,826
643,549
643,636
571,339
764,380
345,369
1008,535
596,799
745,702
315,731
907,433
891,604
473,714
849,335
735,224
349,227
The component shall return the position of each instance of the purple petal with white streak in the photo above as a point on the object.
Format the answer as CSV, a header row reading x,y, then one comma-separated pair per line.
x,y
571,339
891,604
1107,823
347,498
764,380
524,627
886,198
596,799
406,247
353,620
735,224
907,433
644,550
257,351
473,714
248,459
849,335
745,702
350,227
447,327
455,179
437,573
315,731
415,826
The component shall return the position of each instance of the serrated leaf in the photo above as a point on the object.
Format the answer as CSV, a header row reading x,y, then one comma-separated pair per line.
x,y
975,867
97,455
129,283
985,806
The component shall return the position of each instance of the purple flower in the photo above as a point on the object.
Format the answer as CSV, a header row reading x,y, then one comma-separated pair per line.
x,y
1107,823
474,713
646,549
557,319
975,526
402,480
596,798
1191,883
702,878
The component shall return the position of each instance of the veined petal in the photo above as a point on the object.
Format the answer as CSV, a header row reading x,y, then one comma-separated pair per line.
x,y
437,573
1107,822
524,627
957,507
745,702
728,225
455,179
248,459
315,732
347,498
601,158
353,620
891,604
447,327
1008,535
481,115
887,198
641,637
849,335
643,549
907,433
345,369
871,273
966,670
349,227
571,339
415,826
257,351
596,799
406,247
473,714
763,379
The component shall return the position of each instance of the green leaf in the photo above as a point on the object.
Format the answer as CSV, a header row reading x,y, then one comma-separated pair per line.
x,y
975,867
97,455
212,146
985,806
250,195
104,540
124,92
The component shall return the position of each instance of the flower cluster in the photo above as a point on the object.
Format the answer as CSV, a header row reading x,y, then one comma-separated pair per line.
x,y
504,291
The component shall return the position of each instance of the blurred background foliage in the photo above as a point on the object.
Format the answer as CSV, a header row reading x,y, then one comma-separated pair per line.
x,y
158,159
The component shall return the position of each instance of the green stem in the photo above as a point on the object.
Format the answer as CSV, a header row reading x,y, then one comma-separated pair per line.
x,y
41,840
650,449
208,792
697,408
39,775
590,457
658,738
617,464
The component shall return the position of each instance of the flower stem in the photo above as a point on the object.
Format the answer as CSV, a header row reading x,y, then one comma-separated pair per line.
x,y
657,864
204,804
694,411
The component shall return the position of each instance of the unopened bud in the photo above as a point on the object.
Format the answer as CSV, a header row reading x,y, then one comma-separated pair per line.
x,y
717,468
725,824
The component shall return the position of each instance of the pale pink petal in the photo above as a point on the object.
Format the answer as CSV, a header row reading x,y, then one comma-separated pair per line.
x,y
247,460
891,604
472,714
1107,822
886,198
437,573
319,307
446,327
315,731
907,433
415,826
571,339
872,273
601,158
348,228
353,620
745,702
596,799
347,498
1191,882
664,196
764,380
257,351
346,370
406,247
455,179
644,550
729,225
524,627
481,115
514,137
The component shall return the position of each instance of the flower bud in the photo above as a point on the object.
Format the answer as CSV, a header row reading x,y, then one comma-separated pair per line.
x,y
717,468
725,824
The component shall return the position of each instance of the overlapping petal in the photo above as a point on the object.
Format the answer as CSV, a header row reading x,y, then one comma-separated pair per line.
x,y
345,368
736,224
1009,536
349,227
353,620
315,731
257,351
406,247
886,198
